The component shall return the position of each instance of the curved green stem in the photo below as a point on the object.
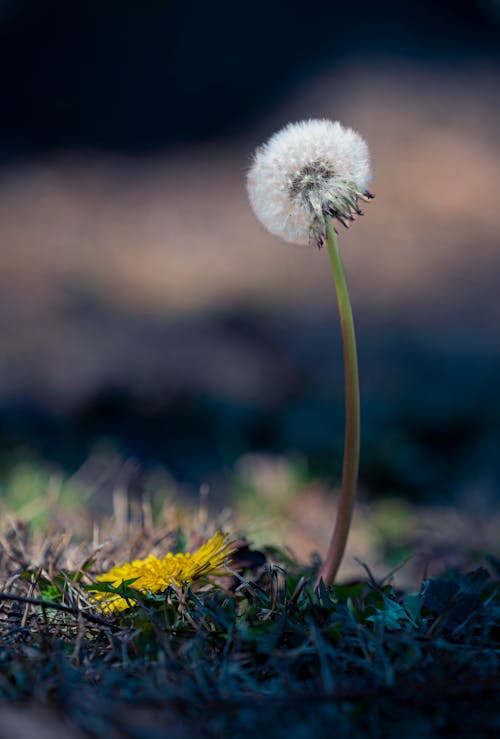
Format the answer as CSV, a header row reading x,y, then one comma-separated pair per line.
x,y
338,541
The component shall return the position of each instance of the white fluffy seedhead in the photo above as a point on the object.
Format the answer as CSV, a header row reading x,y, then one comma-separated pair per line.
x,y
306,172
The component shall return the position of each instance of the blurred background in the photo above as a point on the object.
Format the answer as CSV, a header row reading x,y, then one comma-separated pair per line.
x,y
155,338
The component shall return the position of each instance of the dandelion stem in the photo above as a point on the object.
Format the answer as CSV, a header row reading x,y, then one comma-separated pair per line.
x,y
338,541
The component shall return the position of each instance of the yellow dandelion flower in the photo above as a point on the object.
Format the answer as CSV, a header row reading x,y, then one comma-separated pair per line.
x,y
155,575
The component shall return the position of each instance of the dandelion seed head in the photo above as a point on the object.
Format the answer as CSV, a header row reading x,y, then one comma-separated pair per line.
x,y
306,172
